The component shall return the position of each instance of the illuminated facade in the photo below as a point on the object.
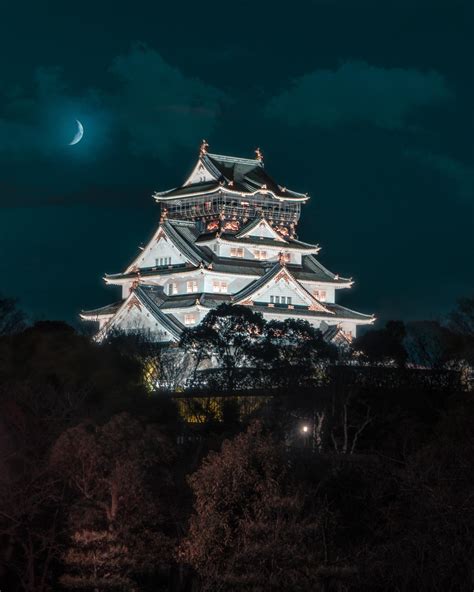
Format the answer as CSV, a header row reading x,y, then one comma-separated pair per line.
x,y
228,234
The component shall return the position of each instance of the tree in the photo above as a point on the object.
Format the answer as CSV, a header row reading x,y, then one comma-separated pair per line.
x,y
253,529
118,529
461,323
295,353
384,346
429,344
51,356
12,320
461,320
225,338
31,500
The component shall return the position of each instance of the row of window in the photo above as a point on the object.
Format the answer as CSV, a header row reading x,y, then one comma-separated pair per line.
x,y
258,254
220,287
280,299
162,261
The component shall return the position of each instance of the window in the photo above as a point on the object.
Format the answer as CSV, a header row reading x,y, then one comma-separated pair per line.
x,y
320,295
286,257
280,299
191,286
219,286
236,252
162,261
260,254
190,318
172,288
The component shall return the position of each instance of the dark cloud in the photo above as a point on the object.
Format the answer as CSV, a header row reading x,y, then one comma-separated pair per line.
x,y
357,93
159,107
39,121
151,106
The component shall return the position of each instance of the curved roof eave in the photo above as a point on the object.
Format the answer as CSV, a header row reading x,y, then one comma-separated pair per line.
x,y
162,196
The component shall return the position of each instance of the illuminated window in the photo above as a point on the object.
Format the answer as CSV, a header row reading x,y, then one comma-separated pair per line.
x,y
280,299
191,286
219,286
286,257
260,254
320,295
236,252
190,318
172,288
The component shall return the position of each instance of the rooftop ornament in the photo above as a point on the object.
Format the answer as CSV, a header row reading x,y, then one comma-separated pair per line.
x,y
258,154
203,148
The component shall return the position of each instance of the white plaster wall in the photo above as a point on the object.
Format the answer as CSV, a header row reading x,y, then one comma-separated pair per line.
x,y
349,326
273,253
181,282
330,291
262,230
199,314
280,289
162,248
268,316
135,319
235,283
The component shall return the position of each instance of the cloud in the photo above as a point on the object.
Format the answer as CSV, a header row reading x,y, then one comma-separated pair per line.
x,y
357,93
158,107
152,106
462,174
40,122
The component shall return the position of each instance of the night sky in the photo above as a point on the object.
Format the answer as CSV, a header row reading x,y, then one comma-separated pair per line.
x,y
366,105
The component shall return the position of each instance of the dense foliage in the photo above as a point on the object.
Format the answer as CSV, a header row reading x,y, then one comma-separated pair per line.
x,y
313,470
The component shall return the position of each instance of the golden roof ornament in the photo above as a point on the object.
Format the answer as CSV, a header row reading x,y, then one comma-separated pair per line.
x,y
258,154
203,148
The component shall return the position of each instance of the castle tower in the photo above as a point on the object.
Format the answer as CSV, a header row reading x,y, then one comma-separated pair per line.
x,y
227,234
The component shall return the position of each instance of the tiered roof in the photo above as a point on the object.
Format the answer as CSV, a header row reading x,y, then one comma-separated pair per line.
x,y
196,246
232,174
184,236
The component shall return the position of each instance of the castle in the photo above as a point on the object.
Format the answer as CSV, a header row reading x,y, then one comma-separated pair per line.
x,y
227,234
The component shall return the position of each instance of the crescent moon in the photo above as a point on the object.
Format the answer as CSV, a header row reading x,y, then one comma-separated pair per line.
x,y
80,132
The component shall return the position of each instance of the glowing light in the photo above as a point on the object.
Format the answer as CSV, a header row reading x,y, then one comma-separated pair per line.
x,y
305,429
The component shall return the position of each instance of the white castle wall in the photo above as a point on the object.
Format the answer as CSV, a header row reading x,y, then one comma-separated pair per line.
x,y
161,249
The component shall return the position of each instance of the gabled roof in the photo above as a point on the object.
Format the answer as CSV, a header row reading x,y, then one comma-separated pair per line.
x,y
261,223
150,297
182,234
313,270
277,273
231,173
